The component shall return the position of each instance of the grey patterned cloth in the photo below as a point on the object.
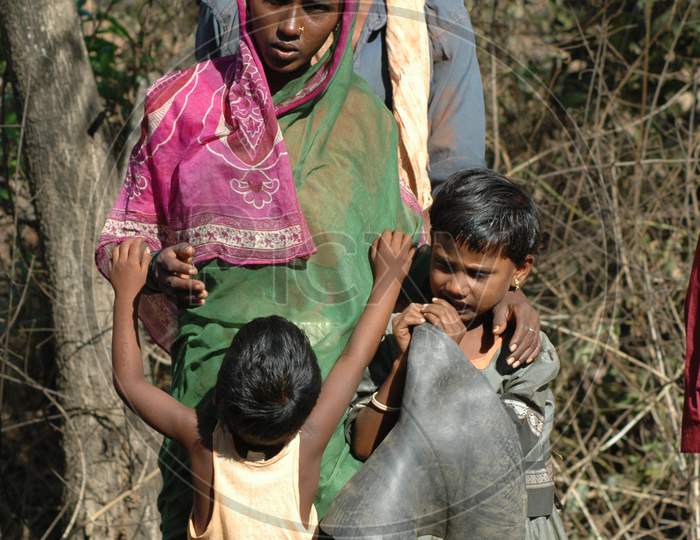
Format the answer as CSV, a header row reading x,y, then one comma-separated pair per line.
x,y
528,399
456,105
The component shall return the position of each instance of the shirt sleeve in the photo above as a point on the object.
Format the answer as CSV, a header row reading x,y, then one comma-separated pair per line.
x,y
456,107
532,380
690,432
217,29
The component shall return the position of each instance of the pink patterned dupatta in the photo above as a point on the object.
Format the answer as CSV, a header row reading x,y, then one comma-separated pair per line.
x,y
211,169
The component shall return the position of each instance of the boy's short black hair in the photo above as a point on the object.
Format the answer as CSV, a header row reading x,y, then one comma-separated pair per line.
x,y
486,211
268,382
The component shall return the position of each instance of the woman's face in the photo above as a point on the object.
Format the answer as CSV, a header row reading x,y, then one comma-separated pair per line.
x,y
287,33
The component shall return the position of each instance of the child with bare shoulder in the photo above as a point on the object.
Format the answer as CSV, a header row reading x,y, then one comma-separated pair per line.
x,y
258,476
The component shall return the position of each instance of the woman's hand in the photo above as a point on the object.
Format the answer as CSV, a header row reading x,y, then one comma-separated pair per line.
x,y
402,324
129,267
443,315
391,255
172,273
525,344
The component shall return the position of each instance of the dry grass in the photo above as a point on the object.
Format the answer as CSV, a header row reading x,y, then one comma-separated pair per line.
x,y
596,110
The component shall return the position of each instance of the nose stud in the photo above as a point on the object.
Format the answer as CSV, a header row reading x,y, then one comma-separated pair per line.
x,y
301,29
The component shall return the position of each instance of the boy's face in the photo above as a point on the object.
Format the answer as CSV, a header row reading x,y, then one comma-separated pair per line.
x,y
473,283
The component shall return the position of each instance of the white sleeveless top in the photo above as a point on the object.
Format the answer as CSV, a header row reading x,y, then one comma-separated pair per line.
x,y
255,499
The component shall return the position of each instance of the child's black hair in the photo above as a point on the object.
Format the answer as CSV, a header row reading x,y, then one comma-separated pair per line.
x,y
268,382
486,211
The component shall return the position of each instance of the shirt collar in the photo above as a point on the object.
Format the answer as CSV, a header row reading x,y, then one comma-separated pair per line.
x,y
376,18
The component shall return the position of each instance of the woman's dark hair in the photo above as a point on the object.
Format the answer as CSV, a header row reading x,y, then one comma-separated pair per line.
x,y
269,380
486,211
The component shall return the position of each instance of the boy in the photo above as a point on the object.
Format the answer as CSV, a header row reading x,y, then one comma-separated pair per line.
x,y
258,475
485,231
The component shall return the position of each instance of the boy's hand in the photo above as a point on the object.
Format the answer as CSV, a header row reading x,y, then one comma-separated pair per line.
x,y
443,315
402,324
129,267
391,256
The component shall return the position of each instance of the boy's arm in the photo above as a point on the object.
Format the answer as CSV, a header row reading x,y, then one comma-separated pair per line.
x,y
372,424
159,410
391,255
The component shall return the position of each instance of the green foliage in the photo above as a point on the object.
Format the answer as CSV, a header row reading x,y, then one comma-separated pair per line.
x,y
130,42
9,136
105,39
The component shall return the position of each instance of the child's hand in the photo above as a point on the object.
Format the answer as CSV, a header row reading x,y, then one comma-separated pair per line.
x,y
443,315
391,256
402,323
129,267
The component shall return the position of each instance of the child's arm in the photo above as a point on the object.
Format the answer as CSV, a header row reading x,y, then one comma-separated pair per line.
x,y
391,258
128,271
526,394
373,424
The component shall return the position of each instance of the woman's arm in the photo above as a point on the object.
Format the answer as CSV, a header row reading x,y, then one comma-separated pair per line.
x,y
128,270
391,256
456,94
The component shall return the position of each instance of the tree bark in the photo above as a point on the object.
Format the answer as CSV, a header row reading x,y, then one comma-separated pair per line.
x,y
110,473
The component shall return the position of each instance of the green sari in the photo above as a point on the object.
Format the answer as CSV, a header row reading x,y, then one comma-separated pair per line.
x,y
342,147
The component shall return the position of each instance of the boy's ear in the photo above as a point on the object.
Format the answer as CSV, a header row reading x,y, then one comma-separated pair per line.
x,y
523,271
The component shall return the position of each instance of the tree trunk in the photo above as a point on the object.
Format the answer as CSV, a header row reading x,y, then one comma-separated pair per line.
x,y
111,473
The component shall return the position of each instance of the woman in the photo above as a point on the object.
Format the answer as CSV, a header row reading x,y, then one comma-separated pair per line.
x,y
278,174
